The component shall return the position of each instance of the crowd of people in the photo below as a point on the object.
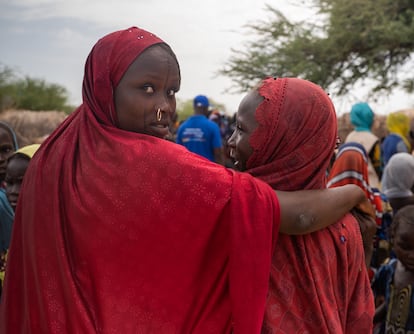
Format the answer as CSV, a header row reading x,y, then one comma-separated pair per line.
x,y
384,169
257,223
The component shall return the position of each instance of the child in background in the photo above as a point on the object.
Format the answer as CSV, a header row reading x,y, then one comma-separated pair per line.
x,y
15,170
8,144
394,281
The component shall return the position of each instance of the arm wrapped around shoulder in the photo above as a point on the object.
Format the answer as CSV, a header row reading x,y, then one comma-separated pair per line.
x,y
306,211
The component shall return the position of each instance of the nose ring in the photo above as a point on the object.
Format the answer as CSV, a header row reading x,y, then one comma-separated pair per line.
x,y
159,114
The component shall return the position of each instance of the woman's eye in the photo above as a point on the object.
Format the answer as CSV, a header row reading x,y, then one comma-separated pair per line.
x,y
171,92
148,89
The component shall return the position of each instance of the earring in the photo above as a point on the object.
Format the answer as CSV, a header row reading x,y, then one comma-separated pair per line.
x,y
159,114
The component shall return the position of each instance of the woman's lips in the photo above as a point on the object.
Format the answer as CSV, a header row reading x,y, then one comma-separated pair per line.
x,y
160,130
233,156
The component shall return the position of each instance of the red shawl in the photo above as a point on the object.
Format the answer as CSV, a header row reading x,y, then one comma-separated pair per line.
x,y
318,283
119,232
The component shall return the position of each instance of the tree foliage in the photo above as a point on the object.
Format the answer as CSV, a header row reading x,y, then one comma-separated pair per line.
x,y
31,93
347,42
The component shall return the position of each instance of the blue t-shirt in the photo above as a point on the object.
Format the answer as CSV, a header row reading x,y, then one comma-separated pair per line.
x,y
200,135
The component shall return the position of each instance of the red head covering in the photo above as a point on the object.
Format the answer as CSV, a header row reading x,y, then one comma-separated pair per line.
x,y
318,281
105,66
291,119
121,232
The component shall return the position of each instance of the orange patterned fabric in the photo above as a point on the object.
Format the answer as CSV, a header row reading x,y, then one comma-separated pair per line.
x,y
351,167
120,232
319,282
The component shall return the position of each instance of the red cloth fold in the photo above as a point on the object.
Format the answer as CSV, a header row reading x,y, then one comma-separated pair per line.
x,y
318,282
119,232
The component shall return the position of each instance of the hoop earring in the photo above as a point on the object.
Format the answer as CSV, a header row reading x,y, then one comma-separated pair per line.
x,y
159,114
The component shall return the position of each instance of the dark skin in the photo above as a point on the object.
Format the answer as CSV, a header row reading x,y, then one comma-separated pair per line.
x,y
16,168
368,229
403,245
331,211
400,202
150,83
6,150
411,133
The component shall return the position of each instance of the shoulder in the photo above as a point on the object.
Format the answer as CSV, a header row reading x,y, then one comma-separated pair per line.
x,y
185,123
387,268
365,138
255,198
401,146
257,189
212,124
392,138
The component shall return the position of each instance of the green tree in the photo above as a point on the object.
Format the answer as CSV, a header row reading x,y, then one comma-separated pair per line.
x,y
31,93
184,109
7,89
36,94
347,42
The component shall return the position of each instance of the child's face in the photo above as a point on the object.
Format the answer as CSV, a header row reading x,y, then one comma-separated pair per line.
x,y
404,244
15,171
6,150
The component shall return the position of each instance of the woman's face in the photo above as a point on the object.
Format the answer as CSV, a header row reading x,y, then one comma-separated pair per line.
x,y
246,124
150,82
6,150
16,169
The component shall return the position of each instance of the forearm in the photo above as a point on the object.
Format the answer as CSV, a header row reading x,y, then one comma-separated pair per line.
x,y
307,211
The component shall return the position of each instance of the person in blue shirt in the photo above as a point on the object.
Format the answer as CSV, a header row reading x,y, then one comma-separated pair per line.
x,y
201,135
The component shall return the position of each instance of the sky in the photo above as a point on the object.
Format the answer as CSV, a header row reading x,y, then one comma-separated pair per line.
x,y
50,40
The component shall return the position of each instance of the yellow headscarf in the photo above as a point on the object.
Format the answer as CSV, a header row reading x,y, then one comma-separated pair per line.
x,y
399,123
28,150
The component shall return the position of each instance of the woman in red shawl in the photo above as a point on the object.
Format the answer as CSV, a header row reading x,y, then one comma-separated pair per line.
x,y
285,135
98,246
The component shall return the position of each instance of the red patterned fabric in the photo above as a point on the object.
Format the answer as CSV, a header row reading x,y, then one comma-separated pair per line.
x,y
351,167
319,282
120,232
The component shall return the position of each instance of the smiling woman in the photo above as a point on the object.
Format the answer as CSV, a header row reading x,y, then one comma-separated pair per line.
x,y
286,135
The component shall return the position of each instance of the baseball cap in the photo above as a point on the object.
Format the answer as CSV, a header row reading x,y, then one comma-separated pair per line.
x,y
201,101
